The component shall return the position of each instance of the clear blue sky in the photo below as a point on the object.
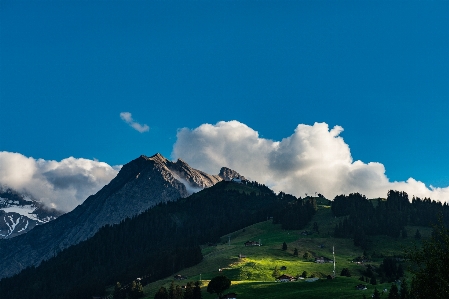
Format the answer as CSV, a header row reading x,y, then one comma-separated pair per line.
x,y
379,69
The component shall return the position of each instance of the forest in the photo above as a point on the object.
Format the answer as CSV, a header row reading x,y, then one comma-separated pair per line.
x,y
154,244
364,217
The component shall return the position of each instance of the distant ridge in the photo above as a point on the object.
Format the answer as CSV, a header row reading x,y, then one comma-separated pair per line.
x,y
140,184
19,213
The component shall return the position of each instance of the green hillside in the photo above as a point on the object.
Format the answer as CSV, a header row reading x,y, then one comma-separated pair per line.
x,y
252,275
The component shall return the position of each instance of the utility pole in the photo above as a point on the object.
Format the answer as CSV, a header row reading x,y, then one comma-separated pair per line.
x,y
333,254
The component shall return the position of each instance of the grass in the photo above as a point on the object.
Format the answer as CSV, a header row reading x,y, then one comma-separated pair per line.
x,y
252,275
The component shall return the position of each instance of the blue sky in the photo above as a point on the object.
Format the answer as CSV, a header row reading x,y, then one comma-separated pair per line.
x,y
379,69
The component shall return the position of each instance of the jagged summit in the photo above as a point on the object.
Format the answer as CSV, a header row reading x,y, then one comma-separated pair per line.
x,y
228,174
139,185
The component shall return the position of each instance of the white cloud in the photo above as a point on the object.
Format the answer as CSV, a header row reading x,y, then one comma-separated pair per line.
x,y
62,185
313,159
127,117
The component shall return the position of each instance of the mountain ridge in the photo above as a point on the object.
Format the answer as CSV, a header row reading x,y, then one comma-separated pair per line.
x,y
140,184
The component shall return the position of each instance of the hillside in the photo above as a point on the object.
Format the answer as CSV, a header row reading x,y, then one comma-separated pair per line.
x,y
154,244
252,275
140,185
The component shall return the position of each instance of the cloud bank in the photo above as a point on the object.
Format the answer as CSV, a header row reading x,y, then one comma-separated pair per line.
x,y
313,159
127,117
62,185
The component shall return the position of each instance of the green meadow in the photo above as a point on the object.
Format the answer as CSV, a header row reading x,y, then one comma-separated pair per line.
x,y
250,268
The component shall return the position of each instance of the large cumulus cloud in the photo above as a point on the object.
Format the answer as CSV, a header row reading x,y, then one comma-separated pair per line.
x,y
313,159
62,185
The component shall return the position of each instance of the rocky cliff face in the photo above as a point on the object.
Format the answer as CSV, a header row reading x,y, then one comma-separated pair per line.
x,y
140,184
228,174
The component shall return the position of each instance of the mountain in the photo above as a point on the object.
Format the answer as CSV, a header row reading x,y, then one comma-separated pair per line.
x,y
140,184
153,245
20,213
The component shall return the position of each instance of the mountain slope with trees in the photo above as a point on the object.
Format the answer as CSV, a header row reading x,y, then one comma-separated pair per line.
x,y
152,245
140,184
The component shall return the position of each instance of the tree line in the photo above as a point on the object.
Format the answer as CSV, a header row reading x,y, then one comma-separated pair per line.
x,y
152,245
364,217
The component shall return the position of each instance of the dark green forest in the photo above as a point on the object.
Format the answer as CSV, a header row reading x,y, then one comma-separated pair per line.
x,y
152,245
364,217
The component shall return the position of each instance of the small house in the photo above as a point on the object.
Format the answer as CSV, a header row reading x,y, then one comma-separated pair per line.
x,y
179,277
230,296
285,278
252,243
322,260
360,287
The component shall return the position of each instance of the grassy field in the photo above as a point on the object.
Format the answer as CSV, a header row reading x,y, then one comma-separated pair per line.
x,y
252,275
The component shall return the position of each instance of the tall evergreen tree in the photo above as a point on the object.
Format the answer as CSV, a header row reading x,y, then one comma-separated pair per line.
x,y
161,293
295,252
172,291
431,275
284,246
394,293
376,294
218,285
119,293
404,293
136,290
188,293
197,291
178,292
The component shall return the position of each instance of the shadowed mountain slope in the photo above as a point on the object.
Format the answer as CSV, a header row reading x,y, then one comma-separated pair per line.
x,y
140,184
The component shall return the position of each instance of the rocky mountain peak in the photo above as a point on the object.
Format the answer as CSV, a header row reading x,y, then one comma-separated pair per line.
x,y
228,174
157,158
139,185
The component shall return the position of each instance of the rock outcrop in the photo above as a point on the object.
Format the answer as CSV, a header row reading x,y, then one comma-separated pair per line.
x,y
140,184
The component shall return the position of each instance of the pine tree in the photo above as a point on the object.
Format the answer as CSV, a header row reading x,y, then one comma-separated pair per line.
x,y
171,291
188,294
394,293
161,294
136,290
178,292
197,291
276,272
284,246
404,293
218,285
118,292
376,294
295,252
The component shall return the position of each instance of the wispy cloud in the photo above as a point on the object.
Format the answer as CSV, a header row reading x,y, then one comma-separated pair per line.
x,y
62,185
313,159
127,117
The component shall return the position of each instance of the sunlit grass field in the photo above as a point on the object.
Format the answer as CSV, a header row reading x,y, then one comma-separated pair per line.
x,y
251,275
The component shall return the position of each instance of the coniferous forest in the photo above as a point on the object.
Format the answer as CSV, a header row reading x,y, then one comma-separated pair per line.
x,y
152,245
364,217
167,237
